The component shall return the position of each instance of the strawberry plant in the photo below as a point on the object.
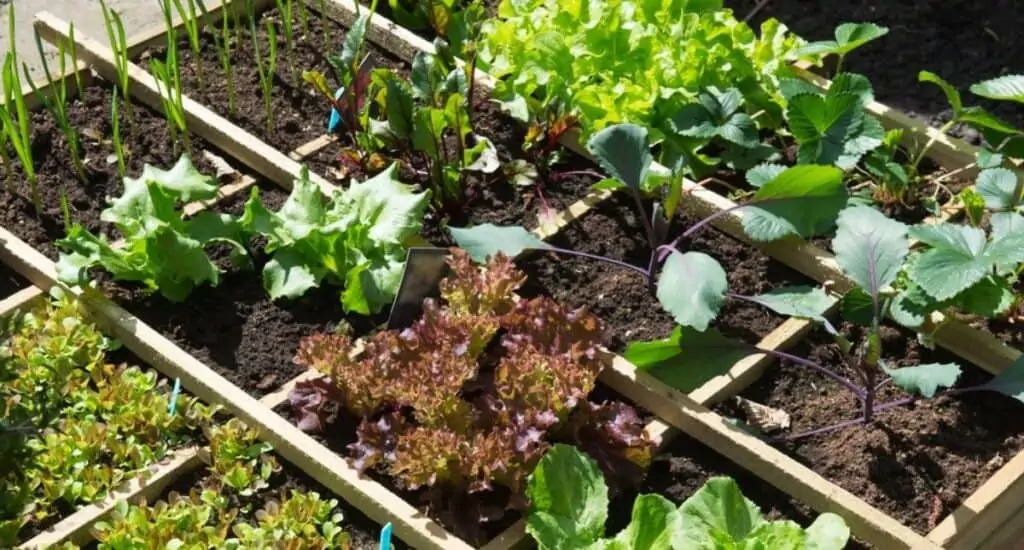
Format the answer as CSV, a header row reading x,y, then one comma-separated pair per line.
x,y
569,508
457,21
163,250
355,239
73,426
445,412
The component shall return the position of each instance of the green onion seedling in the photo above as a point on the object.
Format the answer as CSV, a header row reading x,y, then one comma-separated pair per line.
x,y
18,126
222,42
115,125
285,7
168,75
119,45
266,69
192,26
57,105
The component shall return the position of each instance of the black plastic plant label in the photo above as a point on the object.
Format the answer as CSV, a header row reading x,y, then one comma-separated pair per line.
x,y
424,269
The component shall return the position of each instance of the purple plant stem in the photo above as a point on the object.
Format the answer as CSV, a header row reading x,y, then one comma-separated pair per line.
x,y
860,393
875,410
665,250
590,256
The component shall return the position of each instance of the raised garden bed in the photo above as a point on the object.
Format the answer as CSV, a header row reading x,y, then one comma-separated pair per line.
x,y
602,223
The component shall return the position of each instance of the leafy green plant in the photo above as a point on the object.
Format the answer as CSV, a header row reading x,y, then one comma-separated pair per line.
x,y
421,428
833,127
848,37
200,520
421,117
349,105
119,45
298,516
457,21
355,239
239,459
57,105
569,508
168,78
163,251
534,51
802,200
76,426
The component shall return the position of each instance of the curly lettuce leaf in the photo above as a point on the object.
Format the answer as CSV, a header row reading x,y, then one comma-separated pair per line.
x,y
162,250
356,239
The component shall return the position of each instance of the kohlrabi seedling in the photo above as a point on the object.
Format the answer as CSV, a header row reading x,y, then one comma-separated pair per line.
x,y
691,286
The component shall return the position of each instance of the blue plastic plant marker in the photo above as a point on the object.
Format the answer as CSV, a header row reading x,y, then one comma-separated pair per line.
x,y
385,537
174,396
335,120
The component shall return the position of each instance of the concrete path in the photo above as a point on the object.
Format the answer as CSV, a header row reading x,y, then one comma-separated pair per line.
x,y
85,14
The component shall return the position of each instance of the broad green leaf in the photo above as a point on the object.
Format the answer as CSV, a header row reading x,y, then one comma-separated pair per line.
x,y
1006,223
568,498
183,180
761,174
910,307
994,128
849,36
801,200
623,152
924,380
986,159
687,358
287,275
998,186
392,210
951,93
400,110
1010,382
858,307
828,532
692,288
870,248
717,513
484,241
797,301
990,297
960,257
1009,88
655,522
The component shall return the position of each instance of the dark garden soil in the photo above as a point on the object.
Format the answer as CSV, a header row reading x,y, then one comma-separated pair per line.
x,y
683,467
300,115
363,532
10,281
235,328
621,298
148,144
916,463
962,41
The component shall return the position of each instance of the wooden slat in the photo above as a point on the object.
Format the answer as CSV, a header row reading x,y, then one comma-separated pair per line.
x,y
19,301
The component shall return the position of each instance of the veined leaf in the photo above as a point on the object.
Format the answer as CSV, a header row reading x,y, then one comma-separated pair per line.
x,y
1010,382
764,173
800,200
849,36
622,151
797,301
924,380
1008,88
655,521
951,93
870,248
687,358
486,240
568,498
692,288
998,187
718,512
959,257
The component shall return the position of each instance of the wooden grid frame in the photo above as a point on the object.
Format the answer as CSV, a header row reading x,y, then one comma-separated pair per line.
x,y
677,410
